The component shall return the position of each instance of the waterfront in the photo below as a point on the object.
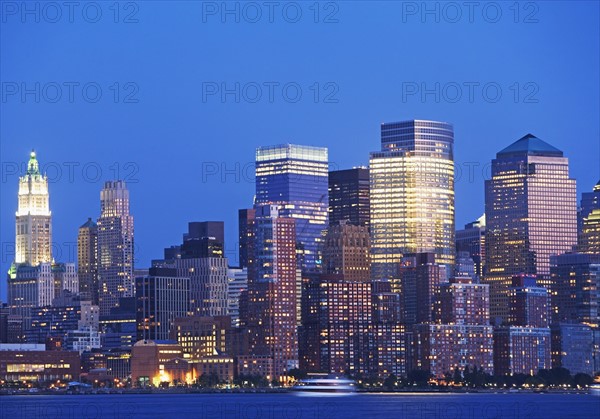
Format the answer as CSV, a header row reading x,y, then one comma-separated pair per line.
x,y
284,406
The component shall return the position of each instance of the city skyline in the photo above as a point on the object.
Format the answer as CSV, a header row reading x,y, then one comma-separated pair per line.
x,y
231,251
228,207
371,70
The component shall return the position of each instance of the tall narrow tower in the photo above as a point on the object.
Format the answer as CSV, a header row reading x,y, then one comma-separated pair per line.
x,y
271,314
33,221
87,268
30,278
115,246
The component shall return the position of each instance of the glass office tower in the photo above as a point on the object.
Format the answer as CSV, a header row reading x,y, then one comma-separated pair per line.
x,y
531,213
412,195
295,178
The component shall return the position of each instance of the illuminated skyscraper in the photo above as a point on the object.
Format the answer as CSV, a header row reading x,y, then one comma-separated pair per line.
x,y
412,195
87,263
34,279
34,223
115,246
30,280
589,239
271,314
590,201
531,213
588,222
295,178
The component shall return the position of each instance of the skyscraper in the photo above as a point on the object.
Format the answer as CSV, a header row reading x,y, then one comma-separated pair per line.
x,y
30,278
115,246
161,297
349,196
202,260
575,286
471,239
589,239
295,178
245,217
87,263
271,313
33,219
412,194
590,201
237,283
531,213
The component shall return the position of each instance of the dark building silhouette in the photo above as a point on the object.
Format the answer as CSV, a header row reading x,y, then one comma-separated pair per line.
x,y
349,196
245,217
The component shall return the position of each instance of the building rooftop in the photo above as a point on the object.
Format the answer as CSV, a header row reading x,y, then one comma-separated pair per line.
x,y
88,224
531,145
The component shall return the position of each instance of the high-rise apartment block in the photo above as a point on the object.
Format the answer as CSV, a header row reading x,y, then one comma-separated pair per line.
x,y
271,312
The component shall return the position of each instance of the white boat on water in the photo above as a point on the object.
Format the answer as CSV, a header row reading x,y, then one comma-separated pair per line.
x,y
327,386
595,387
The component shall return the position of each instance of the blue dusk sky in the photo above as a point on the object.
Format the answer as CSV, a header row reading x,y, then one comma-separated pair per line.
x,y
174,97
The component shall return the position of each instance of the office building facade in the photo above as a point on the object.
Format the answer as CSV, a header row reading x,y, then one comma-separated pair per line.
x,y
295,178
531,213
161,297
412,195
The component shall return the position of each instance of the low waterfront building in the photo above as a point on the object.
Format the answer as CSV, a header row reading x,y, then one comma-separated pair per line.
x,y
33,364
148,359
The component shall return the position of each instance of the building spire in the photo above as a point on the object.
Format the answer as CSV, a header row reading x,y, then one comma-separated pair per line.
x,y
33,166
